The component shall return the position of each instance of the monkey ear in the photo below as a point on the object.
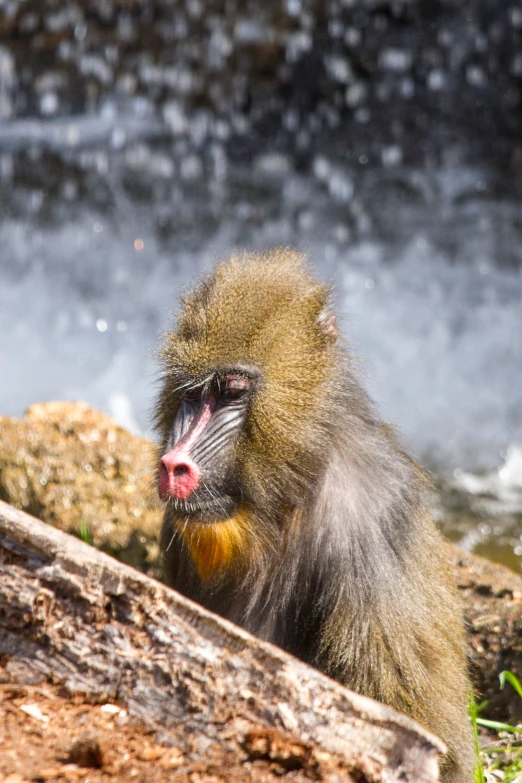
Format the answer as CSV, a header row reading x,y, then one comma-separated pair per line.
x,y
328,325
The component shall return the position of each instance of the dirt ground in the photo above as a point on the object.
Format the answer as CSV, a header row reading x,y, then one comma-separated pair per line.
x,y
47,734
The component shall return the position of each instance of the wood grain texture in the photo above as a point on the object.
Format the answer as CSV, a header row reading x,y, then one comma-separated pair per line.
x,y
75,616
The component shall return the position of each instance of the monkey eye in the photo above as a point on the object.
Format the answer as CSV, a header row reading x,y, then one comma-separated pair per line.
x,y
234,387
192,395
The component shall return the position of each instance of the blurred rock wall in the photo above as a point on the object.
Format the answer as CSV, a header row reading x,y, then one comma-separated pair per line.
x,y
381,82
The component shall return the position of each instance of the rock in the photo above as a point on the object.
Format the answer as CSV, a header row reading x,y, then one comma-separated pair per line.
x,y
492,599
76,469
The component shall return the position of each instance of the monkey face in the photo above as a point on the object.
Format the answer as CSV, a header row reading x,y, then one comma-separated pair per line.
x,y
196,471
249,396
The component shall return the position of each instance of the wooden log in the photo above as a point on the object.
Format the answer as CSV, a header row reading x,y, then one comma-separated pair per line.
x,y
72,615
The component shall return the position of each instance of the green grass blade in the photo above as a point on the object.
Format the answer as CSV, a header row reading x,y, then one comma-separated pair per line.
x,y
513,681
85,532
493,724
473,712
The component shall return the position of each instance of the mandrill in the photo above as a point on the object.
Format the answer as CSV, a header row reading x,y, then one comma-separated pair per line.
x,y
291,510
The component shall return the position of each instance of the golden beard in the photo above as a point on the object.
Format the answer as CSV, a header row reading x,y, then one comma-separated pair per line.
x,y
219,546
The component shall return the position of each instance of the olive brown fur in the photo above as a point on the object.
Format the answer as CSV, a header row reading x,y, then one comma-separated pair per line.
x,y
326,548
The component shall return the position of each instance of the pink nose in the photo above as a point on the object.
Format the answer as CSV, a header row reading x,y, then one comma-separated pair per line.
x,y
178,476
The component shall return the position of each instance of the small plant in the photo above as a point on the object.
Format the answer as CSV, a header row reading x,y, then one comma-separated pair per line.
x,y
474,710
85,532
503,760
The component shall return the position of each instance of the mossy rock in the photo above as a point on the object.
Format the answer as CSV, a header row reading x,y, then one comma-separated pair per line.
x,y
76,469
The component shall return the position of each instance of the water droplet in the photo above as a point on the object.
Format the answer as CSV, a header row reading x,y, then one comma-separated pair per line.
x,y
118,138
363,115
391,156
80,31
342,234
273,164
516,65
293,7
191,167
72,135
321,168
340,187
515,15
339,68
397,60
355,94
436,80
407,89
475,76
49,103
352,36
